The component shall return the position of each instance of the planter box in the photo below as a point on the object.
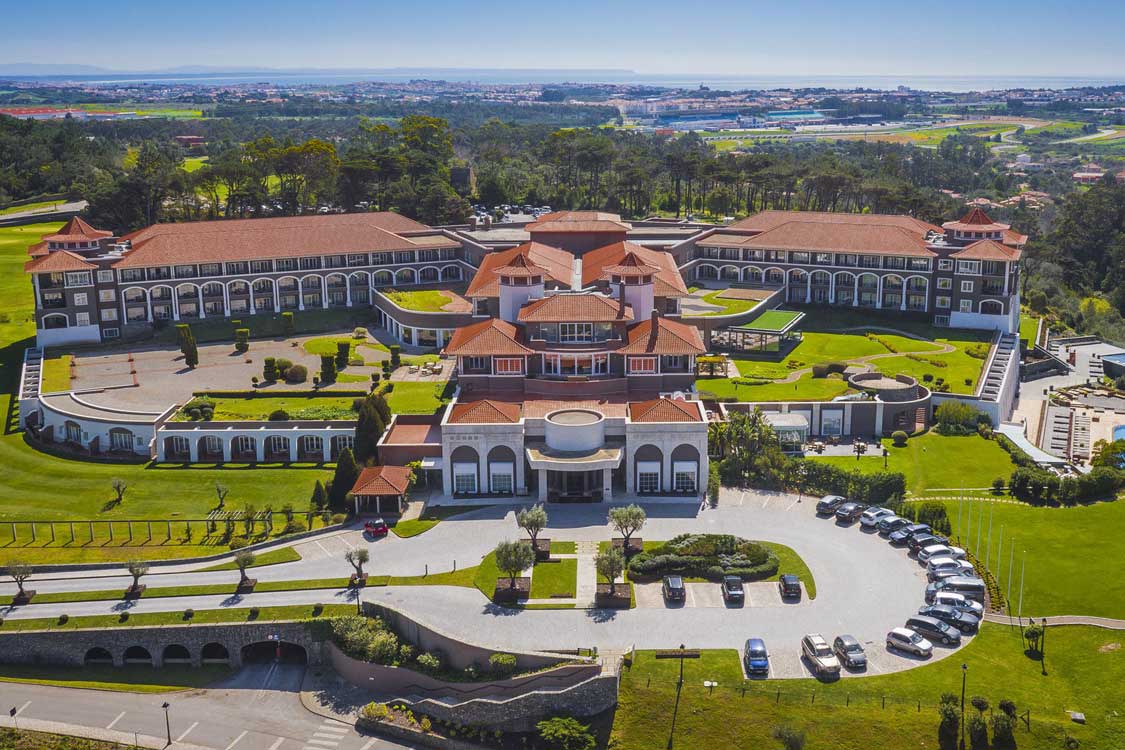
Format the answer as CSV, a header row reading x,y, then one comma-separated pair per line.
x,y
247,586
542,549
619,600
636,544
24,598
134,592
357,581
505,594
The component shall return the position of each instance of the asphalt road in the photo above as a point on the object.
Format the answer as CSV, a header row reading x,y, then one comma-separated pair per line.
x,y
864,586
257,708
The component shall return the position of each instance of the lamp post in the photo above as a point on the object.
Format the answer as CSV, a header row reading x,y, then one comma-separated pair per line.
x,y
885,454
167,722
1043,648
682,650
964,673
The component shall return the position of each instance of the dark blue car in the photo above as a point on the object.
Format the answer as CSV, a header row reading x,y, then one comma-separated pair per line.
x,y
755,657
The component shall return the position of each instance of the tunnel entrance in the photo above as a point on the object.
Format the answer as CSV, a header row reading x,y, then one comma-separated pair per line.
x,y
266,651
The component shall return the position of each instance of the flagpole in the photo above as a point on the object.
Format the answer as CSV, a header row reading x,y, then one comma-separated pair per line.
x,y
1011,563
988,552
1023,569
980,523
1000,557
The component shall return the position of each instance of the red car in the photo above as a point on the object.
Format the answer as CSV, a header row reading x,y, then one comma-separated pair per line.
x,y
378,527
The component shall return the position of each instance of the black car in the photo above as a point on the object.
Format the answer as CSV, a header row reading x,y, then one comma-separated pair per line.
x,y
923,540
902,536
849,512
849,652
934,629
790,586
674,590
892,524
829,503
732,589
964,621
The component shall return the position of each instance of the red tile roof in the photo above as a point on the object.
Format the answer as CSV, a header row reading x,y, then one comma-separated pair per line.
x,y
282,237
77,230
976,220
382,480
987,250
631,264
578,221
662,336
575,308
492,336
58,261
485,412
664,410
766,220
668,281
557,265
860,238
520,267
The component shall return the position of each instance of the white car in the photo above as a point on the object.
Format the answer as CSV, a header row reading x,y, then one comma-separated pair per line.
x,y
820,655
959,601
905,639
937,564
940,550
872,516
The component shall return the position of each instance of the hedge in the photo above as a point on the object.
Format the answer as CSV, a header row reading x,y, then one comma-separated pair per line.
x,y
709,556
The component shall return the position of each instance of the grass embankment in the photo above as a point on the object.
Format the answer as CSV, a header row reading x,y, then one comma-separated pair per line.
x,y
202,617
44,206
270,557
430,518
727,305
1029,325
805,388
936,462
422,300
210,589
419,398
130,678
259,407
56,374
1084,671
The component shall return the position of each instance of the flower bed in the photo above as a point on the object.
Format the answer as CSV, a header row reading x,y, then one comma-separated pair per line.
x,y
709,556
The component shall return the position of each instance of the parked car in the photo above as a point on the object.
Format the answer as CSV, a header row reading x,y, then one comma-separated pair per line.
x,y
849,652
733,590
905,639
934,629
970,587
938,575
902,536
816,650
891,524
940,550
790,586
872,516
755,657
829,503
673,588
849,512
925,539
958,618
376,527
959,601
949,566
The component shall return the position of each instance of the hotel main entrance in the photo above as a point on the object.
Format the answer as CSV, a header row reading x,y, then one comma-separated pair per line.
x,y
574,486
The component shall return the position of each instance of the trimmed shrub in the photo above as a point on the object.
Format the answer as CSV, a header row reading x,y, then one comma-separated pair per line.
x,y
343,354
279,415
502,664
327,368
269,370
899,437
359,332
708,556
238,542
820,371
287,323
296,374
428,662
396,355
295,526
242,340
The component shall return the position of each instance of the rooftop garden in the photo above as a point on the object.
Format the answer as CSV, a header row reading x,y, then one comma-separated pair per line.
x,y
273,408
726,305
421,300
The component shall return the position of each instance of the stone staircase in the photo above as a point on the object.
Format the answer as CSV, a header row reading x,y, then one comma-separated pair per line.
x,y
1007,347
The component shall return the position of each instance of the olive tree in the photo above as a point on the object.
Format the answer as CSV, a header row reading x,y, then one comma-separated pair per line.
x,y
610,565
628,520
532,520
244,559
137,569
513,558
357,557
19,571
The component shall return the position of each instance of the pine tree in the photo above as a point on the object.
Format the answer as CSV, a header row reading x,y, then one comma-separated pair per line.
x,y
327,368
343,354
369,428
319,496
344,478
381,406
189,348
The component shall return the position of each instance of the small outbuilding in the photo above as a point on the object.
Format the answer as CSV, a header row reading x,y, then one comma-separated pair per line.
x,y
384,487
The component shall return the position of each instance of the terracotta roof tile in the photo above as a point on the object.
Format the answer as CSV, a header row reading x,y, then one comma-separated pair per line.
x,y
662,336
860,238
664,410
58,261
976,220
668,282
987,250
520,267
382,480
281,237
77,230
578,221
485,412
558,266
568,308
492,336
766,220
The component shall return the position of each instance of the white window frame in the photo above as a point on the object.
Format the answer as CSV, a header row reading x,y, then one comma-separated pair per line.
x,y
106,295
108,314
82,319
506,471
576,333
105,276
684,475
635,370
476,363
966,287
968,267
648,472
966,306
81,298
945,264
507,365
942,302
77,278
945,283
462,471
112,333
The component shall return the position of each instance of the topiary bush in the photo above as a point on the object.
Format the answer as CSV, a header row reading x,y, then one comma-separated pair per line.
x,y
279,415
820,371
502,664
296,374
708,556
899,437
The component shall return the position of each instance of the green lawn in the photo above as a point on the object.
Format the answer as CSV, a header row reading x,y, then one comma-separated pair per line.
x,y
933,462
1084,671
21,739
806,388
270,326
192,163
430,518
209,589
419,398
728,305
1029,324
201,616
56,373
131,678
563,548
775,320
270,557
257,406
554,578
37,206
429,300
815,348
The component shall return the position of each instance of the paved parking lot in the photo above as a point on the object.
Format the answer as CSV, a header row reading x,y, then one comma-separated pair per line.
x,y
762,594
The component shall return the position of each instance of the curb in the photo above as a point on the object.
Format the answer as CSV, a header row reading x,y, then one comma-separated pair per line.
x,y
125,739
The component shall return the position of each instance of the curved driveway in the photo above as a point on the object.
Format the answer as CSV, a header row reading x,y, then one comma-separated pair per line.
x,y
864,585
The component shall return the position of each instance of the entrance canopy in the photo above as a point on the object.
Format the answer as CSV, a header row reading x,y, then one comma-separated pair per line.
x,y
555,460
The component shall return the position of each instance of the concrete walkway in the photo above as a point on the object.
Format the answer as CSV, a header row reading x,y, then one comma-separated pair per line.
x,y
1098,622
587,573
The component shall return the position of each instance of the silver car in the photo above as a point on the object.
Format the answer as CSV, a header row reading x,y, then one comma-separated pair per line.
x,y
937,564
872,516
940,550
959,601
905,639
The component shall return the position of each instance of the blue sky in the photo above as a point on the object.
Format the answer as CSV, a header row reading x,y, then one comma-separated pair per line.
x,y
792,37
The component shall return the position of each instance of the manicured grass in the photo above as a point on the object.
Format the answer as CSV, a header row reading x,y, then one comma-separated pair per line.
x,y
806,388
192,163
422,300
260,407
563,548
21,739
270,557
933,462
211,589
265,325
790,563
727,305
1029,324
774,320
815,348
419,398
201,616
1084,671
430,518
554,578
327,344
56,374
131,678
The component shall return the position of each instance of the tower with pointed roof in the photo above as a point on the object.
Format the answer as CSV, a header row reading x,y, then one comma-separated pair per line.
x,y
520,282
634,282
